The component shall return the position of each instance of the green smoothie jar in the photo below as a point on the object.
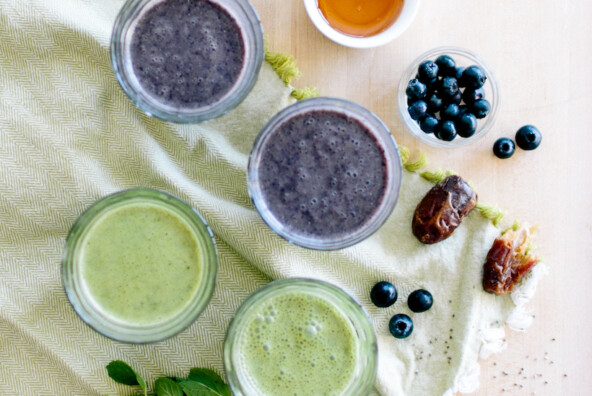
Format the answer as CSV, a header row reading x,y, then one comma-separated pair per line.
x,y
139,265
300,337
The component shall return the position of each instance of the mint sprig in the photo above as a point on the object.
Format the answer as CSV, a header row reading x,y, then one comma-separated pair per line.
x,y
200,381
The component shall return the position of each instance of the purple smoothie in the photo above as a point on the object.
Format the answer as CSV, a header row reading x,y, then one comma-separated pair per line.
x,y
187,53
323,173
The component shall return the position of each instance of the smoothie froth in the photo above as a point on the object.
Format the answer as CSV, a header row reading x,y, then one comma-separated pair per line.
x,y
323,173
187,53
298,344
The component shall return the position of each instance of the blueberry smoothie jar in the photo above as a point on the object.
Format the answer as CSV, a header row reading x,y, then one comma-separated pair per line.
x,y
324,173
187,61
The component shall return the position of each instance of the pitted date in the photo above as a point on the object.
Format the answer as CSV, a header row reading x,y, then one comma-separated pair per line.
x,y
442,210
508,261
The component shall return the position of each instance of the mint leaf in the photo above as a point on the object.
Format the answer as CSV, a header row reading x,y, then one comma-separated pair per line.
x,y
167,387
121,372
194,388
209,380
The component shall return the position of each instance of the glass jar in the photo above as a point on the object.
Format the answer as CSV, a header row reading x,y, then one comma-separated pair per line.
x,y
121,264
463,58
247,21
386,153
355,321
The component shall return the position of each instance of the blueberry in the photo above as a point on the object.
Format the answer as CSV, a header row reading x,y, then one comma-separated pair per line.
x,y
463,109
418,109
480,108
473,77
416,89
450,112
503,148
456,98
401,326
458,74
428,123
420,300
427,71
383,294
528,137
448,86
434,102
470,96
447,131
466,125
446,66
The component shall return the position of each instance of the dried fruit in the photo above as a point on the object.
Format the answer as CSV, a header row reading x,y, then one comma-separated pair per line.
x,y
508,260
442,210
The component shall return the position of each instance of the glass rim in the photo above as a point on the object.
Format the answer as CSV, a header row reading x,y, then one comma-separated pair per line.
x,y
385,141
89,310
357,317
251,29
484,125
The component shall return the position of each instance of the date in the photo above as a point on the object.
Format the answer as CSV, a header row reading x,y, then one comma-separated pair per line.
x,y
442,210
508,261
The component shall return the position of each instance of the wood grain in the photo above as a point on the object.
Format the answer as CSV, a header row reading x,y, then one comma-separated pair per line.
x,y
541,51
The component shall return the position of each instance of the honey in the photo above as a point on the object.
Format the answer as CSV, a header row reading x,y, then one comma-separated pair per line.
x,y
360,18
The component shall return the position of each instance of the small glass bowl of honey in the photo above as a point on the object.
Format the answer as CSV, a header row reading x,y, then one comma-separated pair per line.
x,y
362,23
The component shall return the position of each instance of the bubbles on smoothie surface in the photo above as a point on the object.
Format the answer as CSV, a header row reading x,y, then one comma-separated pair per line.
x,y
307,342
187,53
323,173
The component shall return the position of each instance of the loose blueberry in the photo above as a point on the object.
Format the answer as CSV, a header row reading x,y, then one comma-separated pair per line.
x,y
448,86
450,112
446,66
401,326
434,102
418,109
428,123
383,294
456,98
480,108
528,137
466,125
420,300
503,148
427,71
416,89
447,131
473,77
470,96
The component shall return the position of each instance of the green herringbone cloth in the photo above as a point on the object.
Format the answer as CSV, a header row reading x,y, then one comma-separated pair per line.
x,y
69,136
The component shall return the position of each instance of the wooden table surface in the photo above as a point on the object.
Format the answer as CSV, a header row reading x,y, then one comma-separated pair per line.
x,y
541,51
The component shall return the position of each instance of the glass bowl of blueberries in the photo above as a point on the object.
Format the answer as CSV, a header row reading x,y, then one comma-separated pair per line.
x,y
448,97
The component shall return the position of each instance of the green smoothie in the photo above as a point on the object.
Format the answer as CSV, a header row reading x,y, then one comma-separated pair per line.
x,y
297,343
141,263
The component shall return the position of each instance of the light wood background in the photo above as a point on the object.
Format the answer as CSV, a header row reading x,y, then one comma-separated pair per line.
x,y
541,51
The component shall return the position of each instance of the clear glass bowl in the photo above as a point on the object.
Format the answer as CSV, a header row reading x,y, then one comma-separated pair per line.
x,y
236,367
384,141
462,57
251,30
86,303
